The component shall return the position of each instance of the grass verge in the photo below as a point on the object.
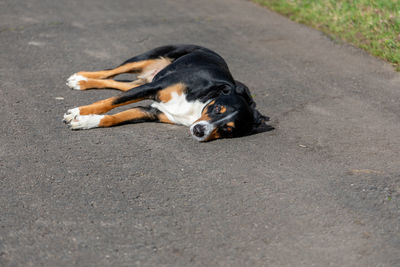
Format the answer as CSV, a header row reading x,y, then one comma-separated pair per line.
x,y
373,25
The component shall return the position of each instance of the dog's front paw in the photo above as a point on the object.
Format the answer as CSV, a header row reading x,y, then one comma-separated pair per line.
x,y
85,122
71,114
76,82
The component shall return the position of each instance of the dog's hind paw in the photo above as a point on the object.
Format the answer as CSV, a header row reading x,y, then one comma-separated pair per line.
x,y
85,122
71,114
75,80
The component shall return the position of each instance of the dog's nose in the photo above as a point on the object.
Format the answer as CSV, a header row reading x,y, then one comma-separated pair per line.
x,y
198,130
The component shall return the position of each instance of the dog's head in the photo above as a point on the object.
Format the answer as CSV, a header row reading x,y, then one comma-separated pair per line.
x,y
232,113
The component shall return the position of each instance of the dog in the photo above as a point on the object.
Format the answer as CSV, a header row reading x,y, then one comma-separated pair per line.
x,y
189,84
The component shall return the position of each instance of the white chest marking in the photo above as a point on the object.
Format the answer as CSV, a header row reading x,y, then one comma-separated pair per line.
x,y
181,111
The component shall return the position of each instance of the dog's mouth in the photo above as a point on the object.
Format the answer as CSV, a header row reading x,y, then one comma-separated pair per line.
x,y
201,130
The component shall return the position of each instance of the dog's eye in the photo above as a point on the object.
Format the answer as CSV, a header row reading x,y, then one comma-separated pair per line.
x,y
228,129
217,109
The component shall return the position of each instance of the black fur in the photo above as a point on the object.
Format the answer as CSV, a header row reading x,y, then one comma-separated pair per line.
x,y
206,77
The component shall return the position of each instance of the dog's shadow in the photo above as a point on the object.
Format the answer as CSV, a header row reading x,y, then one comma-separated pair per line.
x,y
261,129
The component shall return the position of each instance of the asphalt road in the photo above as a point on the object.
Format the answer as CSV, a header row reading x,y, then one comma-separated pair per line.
x,y
322,189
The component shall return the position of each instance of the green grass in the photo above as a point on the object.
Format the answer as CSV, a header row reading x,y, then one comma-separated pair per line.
x,y
373,25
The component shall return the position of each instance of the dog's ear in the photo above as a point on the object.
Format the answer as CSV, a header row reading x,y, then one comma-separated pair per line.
x,y
259,119
242,90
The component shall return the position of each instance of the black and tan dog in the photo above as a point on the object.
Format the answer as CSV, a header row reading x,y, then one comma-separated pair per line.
x,y
190,85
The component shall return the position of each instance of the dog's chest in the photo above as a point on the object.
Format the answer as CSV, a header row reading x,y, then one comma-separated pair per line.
x,y
179,110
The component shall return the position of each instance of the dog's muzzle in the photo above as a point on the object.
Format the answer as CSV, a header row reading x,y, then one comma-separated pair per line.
x,y
201,130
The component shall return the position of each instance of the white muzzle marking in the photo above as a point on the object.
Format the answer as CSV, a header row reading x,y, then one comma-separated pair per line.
x,y
208,128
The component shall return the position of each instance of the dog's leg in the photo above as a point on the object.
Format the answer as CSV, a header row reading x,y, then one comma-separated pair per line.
x,y
138,114
90,83
147,73
98,107
147,63
146,68
160,90
83,79
132,115
126,67
145,91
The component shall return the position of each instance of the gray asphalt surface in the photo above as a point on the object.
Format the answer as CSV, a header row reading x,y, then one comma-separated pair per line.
x,y
322,189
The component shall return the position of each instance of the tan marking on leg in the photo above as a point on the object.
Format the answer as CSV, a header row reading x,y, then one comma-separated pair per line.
x,y
165,94
103,106
230,124
99,83
131,67
132,114
163,118
223,109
